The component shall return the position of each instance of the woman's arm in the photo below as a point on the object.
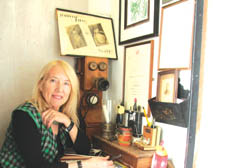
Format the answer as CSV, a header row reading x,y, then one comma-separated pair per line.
x,y
50,116
28,140
82,144
80,141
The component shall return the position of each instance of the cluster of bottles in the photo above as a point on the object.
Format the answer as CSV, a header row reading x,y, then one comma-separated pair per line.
x,y
131,118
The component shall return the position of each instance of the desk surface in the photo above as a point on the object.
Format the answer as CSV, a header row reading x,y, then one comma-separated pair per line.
x,y
133,150
131,155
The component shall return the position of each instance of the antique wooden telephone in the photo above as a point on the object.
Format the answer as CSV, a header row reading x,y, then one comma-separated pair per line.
x,y
92,73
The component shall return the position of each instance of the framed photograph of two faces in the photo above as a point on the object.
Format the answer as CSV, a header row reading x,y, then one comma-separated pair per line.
x,y
83,34
138,20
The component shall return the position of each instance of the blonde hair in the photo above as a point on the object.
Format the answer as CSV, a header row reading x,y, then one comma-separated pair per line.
x,y
70,107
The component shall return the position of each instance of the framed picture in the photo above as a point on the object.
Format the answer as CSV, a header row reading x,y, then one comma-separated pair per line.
x,y
138,20
167,86
83,34
138,58
136,12
175,42
168,2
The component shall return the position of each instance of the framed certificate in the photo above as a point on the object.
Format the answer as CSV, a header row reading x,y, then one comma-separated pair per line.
x,y
138,58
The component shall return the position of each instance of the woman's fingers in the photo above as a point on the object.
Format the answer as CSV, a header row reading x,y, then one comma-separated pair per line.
x,y
45,116
49,116
97,162
50,120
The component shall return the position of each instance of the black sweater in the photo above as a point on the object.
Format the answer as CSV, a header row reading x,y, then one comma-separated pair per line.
x,y
28,140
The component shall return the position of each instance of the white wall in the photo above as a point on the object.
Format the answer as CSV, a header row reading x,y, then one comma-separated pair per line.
x,y
28,40
210,134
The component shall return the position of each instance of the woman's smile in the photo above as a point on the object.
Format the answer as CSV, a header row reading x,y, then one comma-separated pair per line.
x,y
56,88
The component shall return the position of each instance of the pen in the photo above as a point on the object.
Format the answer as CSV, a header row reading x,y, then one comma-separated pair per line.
x,y
149,124
153,124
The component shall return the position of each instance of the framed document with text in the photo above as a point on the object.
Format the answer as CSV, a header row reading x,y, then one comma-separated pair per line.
x,y
138,69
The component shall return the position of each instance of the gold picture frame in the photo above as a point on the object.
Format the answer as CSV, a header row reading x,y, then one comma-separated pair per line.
x,y
167,86
83,34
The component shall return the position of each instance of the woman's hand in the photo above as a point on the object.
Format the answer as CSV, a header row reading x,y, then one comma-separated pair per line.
x,y
50,115
98,162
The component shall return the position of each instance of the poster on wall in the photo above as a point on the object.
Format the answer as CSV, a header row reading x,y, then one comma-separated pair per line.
x,y
83,34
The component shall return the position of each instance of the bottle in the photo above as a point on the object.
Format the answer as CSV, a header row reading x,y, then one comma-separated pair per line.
x,y
135,105
120,114
131,118
138,122
160,157
134,125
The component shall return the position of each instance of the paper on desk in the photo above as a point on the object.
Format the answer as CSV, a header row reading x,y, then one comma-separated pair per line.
x,y
72,156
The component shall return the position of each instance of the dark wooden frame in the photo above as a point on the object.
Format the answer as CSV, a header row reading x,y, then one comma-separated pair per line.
x,y
130,37
172,75
95,44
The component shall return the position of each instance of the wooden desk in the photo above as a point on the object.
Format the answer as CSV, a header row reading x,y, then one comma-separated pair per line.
x,y
131,156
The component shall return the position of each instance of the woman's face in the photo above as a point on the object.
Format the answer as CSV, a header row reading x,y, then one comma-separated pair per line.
x,y
56,88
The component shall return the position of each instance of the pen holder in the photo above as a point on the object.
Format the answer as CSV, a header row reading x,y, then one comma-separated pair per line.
x,y
150,135
137,127
124,136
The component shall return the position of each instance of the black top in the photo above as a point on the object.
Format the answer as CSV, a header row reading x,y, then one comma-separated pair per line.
x,y
28,140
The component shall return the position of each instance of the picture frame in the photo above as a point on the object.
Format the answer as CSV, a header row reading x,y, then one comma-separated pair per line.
x,y
176,54
167,86
83,34
168,2
136,84
136,12
140,28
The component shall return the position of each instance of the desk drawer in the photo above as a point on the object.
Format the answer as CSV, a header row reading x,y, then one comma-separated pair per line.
x,y
131,156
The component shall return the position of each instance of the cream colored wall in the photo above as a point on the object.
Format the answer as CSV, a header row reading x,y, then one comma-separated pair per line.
x,y
28,40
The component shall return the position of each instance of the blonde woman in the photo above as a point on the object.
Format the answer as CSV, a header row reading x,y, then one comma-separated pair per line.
x,y
43,127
